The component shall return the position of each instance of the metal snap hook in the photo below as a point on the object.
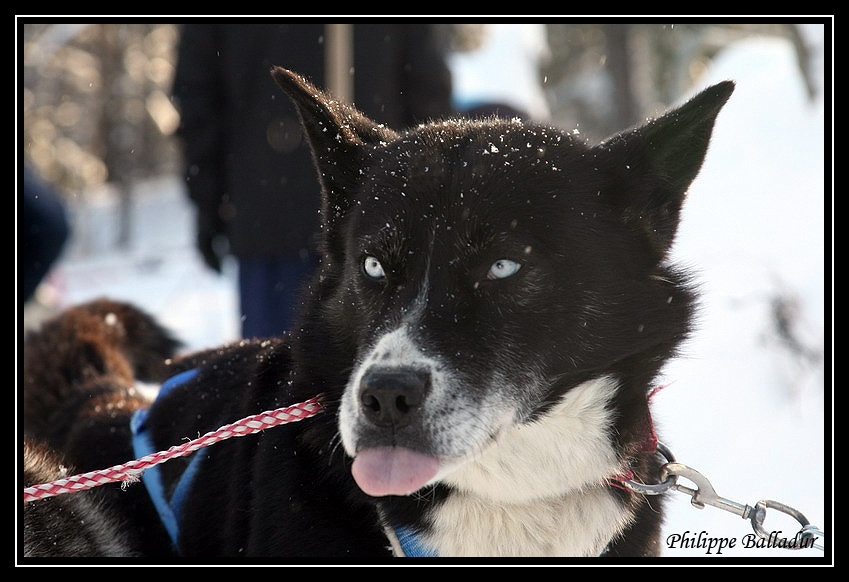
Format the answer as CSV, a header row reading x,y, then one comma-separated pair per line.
x,y
704,493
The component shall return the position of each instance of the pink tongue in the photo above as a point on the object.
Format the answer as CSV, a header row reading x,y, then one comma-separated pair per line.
x,y
393,470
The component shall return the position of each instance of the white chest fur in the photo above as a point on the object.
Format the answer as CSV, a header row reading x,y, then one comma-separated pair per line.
x,y
540,490
578,524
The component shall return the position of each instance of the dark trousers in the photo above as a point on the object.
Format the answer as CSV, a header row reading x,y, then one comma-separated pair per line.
x,y
269,293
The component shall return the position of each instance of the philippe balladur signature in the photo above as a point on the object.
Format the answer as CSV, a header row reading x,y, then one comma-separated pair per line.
x,y
715,545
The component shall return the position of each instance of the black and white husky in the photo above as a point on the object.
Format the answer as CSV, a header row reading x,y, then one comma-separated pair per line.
x,y
493,306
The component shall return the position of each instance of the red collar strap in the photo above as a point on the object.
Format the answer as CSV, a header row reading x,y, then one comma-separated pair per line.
x,y
648,444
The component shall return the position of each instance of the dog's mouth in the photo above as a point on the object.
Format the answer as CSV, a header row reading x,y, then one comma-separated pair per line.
x,y
397,470
381,471
408,419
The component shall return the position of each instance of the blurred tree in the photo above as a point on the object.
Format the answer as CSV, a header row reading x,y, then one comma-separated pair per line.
x,y
95,109
610,75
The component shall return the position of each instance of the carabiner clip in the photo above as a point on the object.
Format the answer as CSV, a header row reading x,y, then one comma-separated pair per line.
x,y
704,493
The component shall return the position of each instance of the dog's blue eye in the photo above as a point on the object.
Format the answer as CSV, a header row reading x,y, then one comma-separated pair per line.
x,y
373,269
503,268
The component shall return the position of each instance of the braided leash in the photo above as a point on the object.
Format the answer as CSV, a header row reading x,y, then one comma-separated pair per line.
x,y
129,472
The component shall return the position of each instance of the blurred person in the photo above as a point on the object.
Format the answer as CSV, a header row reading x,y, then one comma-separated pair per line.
x,y
44,231
248,169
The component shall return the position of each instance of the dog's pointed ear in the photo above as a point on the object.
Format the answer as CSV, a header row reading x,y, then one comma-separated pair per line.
x,y
655,164
336,133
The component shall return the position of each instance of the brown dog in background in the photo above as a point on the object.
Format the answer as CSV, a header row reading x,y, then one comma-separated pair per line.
x,y
80,369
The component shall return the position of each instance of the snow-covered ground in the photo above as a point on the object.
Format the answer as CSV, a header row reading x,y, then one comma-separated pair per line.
x,y
744,406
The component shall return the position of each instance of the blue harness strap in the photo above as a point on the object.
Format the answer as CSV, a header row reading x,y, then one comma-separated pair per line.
x,y
411,544
169,510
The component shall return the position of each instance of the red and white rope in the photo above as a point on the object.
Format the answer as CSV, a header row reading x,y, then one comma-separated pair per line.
x,y
130,472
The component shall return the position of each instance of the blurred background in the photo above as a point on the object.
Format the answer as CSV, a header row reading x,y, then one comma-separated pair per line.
x,y
97,125
98,119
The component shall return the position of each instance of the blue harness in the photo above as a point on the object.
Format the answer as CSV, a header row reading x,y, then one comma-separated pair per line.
x,y
411,544
169,510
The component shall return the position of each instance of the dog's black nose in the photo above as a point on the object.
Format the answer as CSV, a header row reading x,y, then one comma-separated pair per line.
x,y
390,396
